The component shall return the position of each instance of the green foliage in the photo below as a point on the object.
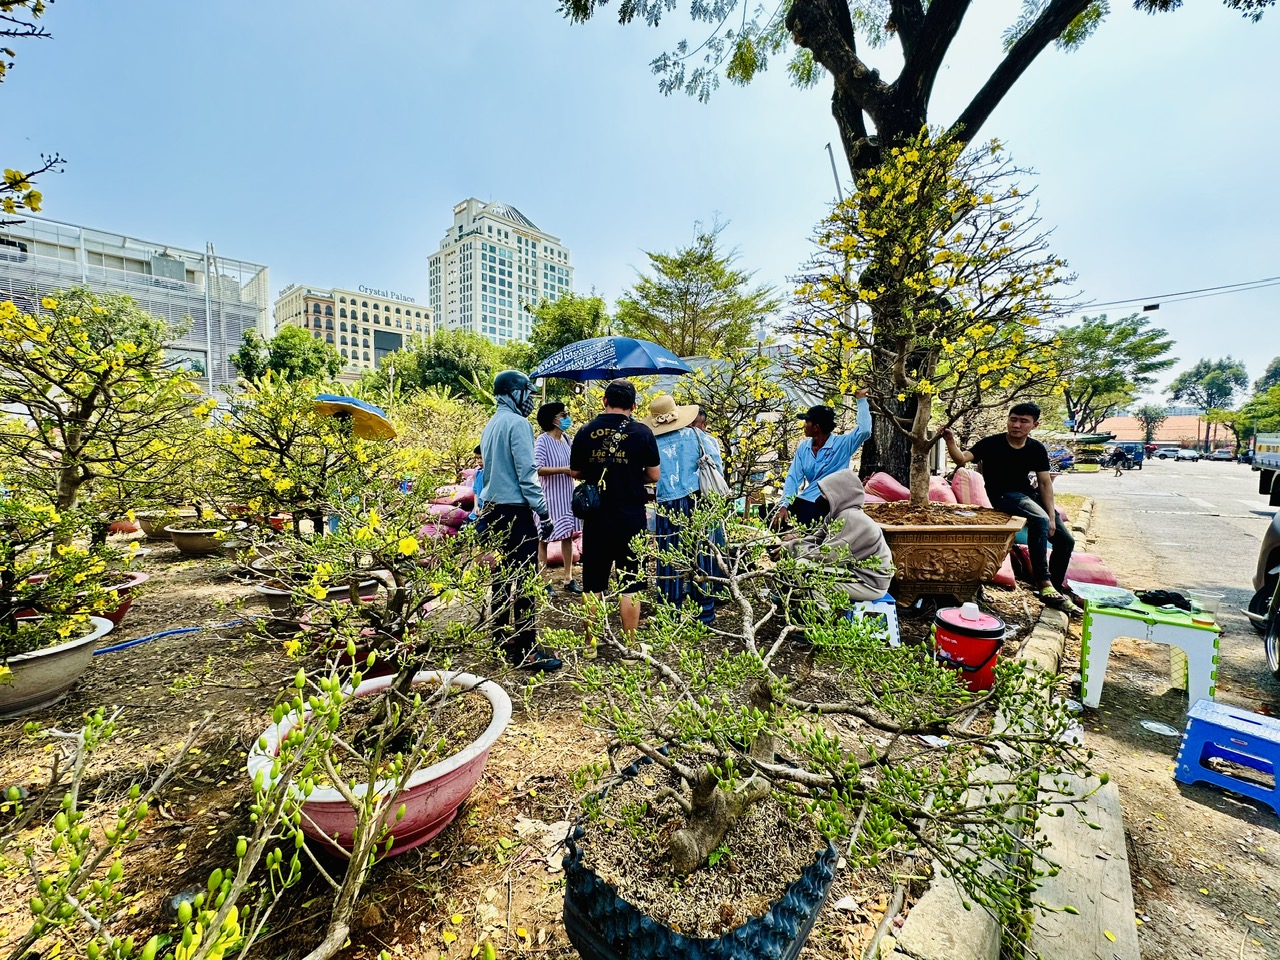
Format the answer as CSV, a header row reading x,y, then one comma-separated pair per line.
x,y
292,354
712,707
99,408
1262,411
696,300
937,274
1151,416
447,358
1106,364
1270,377
1210,383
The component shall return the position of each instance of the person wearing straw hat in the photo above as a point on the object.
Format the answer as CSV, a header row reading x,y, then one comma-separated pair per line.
x,y
676,494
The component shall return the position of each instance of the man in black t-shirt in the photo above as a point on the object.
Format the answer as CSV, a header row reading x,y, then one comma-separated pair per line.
x,y
621,455
1008,460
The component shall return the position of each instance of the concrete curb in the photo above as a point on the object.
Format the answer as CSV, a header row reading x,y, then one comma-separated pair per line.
x,y
940,926
1083,520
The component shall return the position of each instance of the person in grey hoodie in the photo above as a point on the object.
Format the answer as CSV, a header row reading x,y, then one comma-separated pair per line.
x,y
512,498
845,539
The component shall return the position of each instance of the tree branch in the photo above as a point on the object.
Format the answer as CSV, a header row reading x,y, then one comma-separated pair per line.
x,y
1055,18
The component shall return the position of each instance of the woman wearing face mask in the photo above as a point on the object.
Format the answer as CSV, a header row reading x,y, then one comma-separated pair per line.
x,y
551,456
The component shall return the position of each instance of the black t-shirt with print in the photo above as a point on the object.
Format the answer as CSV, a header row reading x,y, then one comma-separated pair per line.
x,y
1006,469
623,473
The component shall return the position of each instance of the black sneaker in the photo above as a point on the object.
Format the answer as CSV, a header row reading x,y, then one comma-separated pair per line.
x,y
573,587
540,660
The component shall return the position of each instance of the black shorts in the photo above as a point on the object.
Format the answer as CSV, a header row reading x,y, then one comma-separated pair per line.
x,y
606,547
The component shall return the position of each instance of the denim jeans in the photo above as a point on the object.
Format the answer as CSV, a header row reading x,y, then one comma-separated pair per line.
x,y
675,583
1043,567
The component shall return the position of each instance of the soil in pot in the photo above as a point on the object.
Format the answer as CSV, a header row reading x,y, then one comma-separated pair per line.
x,y
459,722
903,514
763,853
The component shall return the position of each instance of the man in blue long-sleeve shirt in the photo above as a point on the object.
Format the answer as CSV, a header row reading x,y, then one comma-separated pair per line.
x,y
823,453
512,499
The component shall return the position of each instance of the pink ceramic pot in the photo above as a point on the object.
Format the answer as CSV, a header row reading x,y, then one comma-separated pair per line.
x,y
431,796
123,591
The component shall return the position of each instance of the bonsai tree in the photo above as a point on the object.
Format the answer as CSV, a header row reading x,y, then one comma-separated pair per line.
x,y
271,451
439,431
947,249
95,406
440,605
727,725
44,576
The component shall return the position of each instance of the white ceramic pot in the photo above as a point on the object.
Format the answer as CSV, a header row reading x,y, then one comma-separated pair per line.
x,y
42,677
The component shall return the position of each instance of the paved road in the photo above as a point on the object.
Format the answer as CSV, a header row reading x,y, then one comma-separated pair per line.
x,y
1185,525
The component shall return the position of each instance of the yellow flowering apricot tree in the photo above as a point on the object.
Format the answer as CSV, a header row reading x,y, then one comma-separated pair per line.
x,y
42,573
93,405
271,451
937,275
747,410
438,432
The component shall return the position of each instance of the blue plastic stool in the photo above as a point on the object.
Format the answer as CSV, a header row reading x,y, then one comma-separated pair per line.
x,y
1247,739
885,607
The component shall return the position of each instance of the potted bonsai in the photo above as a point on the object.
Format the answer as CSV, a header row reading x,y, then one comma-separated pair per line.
x,y
722,744
948,252
50,589
271,455
102,416
403,750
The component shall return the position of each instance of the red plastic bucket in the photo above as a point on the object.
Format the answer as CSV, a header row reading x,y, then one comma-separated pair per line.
x,y
968,641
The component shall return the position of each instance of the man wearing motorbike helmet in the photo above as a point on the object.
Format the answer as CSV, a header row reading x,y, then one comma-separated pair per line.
x,y
512,498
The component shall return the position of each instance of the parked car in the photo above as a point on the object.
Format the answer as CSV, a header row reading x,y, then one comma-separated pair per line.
x,y
1166,453
1222,453
1188,454
1264,608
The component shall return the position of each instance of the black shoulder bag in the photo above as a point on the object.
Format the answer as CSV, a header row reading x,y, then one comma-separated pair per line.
x,y
586,495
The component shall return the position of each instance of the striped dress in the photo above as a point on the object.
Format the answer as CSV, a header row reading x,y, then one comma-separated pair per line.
x,y
558,489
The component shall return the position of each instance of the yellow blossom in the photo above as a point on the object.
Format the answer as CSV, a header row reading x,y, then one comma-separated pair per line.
x,y
408,546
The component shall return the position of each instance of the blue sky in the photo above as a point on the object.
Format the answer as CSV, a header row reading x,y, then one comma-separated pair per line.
x,y
331,139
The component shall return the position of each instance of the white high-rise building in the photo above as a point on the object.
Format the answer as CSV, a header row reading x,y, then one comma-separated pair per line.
x,y
493,268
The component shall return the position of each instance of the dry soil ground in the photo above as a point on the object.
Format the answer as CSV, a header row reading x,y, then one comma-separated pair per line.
x,y
1205,864
493,874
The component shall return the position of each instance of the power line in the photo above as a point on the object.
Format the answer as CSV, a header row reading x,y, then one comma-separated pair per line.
x,y
1207,291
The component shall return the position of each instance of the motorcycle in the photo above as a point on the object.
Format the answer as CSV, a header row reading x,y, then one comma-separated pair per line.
x,y
1264,608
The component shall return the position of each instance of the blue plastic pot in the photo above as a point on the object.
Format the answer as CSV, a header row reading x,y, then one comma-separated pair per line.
x,y
603,926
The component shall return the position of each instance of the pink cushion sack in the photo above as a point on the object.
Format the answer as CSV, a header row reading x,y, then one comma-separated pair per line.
x,y
970,487
458,496
940,491
886,488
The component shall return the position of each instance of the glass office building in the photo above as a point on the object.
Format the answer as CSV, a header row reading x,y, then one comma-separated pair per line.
x,y
211,299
